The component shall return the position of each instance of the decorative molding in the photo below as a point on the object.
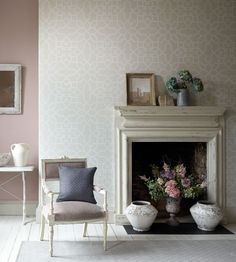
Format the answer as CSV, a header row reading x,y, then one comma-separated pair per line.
x,y
170,116
136,111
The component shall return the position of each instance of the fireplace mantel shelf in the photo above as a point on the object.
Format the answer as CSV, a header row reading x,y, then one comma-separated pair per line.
x,y
169,116
129,111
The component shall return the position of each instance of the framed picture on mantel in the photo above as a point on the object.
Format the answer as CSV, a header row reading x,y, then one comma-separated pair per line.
x,y
141,89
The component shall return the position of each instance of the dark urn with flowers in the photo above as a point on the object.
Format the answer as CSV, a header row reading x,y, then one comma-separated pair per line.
x,y
173,184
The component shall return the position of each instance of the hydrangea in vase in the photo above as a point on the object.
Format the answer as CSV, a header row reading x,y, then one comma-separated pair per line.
x,y
181,86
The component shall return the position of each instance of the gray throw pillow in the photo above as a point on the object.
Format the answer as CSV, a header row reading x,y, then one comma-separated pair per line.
x,y
76,184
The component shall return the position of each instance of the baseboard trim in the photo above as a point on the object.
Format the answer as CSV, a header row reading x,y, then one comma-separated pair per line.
x,y
111,217
14,208
230,213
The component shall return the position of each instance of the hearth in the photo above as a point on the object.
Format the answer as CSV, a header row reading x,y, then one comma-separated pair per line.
x,y
186,127
182,229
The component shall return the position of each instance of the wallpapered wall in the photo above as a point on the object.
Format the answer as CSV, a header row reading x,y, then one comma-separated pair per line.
x,y
87,47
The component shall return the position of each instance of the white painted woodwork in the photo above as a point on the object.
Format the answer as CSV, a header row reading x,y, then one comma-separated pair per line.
x,y
21,170
16,168
168,124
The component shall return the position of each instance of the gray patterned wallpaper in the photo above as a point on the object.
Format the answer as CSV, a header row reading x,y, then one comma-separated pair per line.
x,y
87,46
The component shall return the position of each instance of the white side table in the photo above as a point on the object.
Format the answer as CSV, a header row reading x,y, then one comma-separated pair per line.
x,y
22,171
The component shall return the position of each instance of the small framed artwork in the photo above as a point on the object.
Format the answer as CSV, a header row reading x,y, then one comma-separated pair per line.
x,y
10,89
141,89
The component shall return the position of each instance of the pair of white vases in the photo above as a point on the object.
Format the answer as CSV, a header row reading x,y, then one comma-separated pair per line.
x,y
141,215
20,154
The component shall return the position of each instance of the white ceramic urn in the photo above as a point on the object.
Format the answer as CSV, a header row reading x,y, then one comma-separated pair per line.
x,y
20,153
207,215
141,215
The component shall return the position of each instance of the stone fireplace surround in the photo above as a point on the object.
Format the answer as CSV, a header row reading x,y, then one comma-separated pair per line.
x,y
169,124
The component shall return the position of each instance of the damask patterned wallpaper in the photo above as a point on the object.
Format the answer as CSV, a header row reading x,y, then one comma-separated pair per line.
x,y
87,47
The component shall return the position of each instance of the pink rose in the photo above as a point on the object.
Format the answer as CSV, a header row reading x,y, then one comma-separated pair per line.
x,y
174,192
171,183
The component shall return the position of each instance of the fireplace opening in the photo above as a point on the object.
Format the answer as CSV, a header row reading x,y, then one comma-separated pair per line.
x,y
192,154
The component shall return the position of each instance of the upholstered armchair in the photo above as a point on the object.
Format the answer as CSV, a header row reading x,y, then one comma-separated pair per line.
x,y
69,212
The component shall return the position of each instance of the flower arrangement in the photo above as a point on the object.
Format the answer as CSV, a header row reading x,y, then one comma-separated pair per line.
x,y
184,81
173,182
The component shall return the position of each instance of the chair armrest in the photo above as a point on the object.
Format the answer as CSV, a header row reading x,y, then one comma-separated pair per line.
x,y
50,194
46,190
103,192
99,189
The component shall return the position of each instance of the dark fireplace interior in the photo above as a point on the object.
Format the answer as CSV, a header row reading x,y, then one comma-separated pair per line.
x,y
191,154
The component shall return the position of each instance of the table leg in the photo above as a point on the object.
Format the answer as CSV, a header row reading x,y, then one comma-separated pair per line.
x,y
24,209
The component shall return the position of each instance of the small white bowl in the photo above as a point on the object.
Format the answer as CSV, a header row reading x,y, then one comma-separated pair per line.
x,y
4,158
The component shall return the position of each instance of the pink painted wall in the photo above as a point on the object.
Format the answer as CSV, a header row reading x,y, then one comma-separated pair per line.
x,y
19,45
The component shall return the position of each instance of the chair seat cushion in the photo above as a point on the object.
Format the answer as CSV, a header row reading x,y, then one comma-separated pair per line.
x,y
74,211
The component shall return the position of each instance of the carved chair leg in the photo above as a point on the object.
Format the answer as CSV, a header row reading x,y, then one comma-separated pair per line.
x,y
85,229
42,226
51,232
105,234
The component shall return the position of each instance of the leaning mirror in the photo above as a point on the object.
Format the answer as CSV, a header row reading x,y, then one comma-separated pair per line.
x,y
10,89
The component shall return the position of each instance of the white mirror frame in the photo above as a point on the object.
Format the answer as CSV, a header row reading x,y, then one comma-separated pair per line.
x,y
16,68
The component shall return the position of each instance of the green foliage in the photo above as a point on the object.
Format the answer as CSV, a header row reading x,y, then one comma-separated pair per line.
x,y
173,182
184,80
156,191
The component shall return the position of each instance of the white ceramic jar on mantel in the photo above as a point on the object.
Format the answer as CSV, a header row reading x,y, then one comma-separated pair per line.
x,y
141,215
206,214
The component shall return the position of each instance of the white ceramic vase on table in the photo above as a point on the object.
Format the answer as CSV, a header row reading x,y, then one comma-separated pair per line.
x,y
20,153
207,215
141,215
